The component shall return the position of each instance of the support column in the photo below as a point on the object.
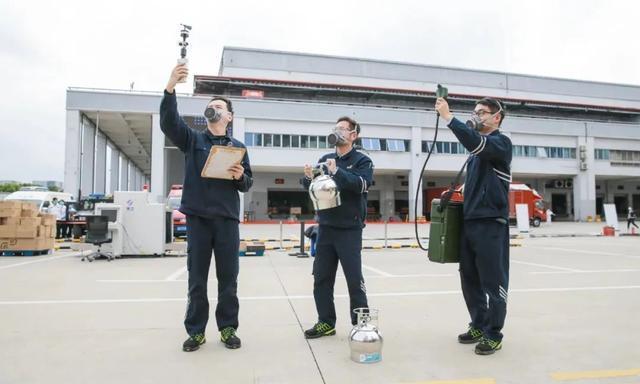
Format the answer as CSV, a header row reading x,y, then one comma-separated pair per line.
x,y
115,169
100,170
387,197
124,173
158,172
238,134
414,173
584,183
87,156
73,152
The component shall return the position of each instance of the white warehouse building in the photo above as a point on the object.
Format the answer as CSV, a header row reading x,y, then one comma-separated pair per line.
x,y
576,142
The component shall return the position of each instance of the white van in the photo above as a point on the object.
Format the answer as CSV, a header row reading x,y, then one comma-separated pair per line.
x,y
41,198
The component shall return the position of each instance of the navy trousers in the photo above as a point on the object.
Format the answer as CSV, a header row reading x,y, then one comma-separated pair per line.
x,y
222,236
484,273
335,245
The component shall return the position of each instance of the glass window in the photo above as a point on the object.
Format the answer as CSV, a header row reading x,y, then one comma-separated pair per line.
x,y
268,140
313,141
304,141
295,141
532,151
395,145
391,145
407,145
371,144
276,140
454,148
322,142
248,139
286,141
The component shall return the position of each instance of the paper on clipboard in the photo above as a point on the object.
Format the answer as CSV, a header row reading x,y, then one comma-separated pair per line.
x,y
220,159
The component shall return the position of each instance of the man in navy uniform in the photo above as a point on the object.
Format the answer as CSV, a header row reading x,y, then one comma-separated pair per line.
x,y
212,208
484,248
340,229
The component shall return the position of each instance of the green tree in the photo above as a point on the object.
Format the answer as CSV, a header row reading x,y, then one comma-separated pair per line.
x,y
10,187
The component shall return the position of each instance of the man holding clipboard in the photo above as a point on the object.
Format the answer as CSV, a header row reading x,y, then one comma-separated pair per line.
x,y
216,169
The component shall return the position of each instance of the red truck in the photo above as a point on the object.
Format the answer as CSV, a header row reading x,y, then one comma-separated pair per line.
x,y
519,193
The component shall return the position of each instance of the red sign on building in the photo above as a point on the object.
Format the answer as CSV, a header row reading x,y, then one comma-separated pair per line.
x,y
253,93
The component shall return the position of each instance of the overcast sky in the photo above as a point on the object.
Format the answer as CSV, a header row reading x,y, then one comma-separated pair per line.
x,y
47,46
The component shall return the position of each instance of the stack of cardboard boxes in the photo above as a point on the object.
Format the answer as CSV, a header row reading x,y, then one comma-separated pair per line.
x,y
23,228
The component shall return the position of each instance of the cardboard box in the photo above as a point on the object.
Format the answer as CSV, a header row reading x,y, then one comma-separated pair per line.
x,y
31,221
26,231
46,232
47,219
10,221
10,204
10,212
7,231
29,210
26,244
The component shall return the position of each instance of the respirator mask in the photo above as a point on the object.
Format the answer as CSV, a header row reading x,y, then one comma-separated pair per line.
x,y
478,123
212,115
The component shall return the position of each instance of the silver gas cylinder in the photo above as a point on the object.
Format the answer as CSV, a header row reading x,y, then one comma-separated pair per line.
x,y
365,340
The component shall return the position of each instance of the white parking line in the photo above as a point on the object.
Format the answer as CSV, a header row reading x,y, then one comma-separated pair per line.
x,y
376,270
545,266
141,281
39,260
337,277
176,274
572,250
306,297
579,272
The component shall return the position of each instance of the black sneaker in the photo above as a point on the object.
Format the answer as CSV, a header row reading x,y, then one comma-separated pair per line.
x,y
194,342
473,335
229,338
320,329
488,346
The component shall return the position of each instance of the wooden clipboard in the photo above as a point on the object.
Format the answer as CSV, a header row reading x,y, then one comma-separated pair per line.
x,y
220,159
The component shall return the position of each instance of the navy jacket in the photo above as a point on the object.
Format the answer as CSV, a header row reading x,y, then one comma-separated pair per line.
x,y
203,196
486,187
353,178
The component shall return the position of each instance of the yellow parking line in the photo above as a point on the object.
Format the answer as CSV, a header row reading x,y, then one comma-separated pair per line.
x,y
467,381
562,376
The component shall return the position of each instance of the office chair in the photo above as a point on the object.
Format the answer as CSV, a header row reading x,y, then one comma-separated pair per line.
x,y
97,234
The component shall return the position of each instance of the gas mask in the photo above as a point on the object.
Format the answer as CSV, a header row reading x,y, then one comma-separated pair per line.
x,y
336,137
212,115
477,123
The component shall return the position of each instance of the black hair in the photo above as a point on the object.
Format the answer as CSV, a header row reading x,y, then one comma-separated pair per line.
x,y
494,106
227,101
352,123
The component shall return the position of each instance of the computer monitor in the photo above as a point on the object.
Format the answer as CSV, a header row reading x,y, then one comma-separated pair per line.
x,y
112,214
